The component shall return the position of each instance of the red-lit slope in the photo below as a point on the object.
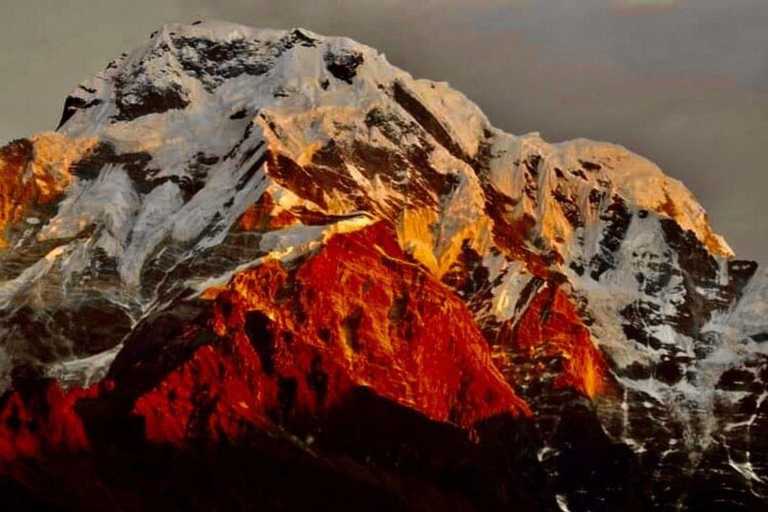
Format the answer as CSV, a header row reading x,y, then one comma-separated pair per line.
x,y
554,343
289,345
37,422
377,320
355,314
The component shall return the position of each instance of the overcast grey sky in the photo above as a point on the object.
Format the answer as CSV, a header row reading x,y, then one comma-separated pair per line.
x,y
682,82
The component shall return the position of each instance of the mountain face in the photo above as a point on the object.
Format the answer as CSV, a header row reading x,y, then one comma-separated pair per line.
x,y
267,270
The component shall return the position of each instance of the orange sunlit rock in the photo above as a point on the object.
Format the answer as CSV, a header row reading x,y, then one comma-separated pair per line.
x,y
551,328
361,314
15,194
288,344
265,216
35,171
355,314
223,380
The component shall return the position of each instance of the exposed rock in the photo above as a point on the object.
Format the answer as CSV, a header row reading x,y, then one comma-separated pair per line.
x,y
251,258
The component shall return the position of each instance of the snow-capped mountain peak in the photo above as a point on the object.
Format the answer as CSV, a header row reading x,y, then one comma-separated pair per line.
x,y
238,168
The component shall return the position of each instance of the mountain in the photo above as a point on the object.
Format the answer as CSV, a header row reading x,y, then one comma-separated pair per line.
x,y
267,270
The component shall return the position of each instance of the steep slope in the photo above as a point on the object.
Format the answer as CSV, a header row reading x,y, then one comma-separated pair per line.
x,y
237,234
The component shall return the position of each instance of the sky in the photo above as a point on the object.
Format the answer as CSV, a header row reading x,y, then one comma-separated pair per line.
x,y
681,82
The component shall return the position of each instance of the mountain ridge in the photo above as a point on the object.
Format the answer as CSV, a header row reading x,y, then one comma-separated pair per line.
x,y
603,308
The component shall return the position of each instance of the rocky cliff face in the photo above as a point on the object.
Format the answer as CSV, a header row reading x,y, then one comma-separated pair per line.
x,y
267,270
